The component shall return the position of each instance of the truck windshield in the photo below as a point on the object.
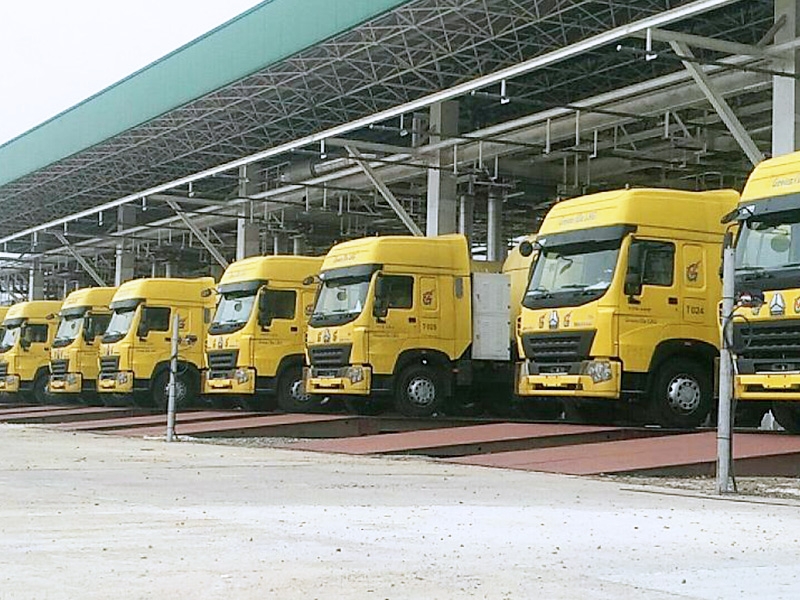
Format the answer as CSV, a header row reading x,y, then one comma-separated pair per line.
x,y
340,300
10,337
233,311
769,244
120,324
69,327
571,275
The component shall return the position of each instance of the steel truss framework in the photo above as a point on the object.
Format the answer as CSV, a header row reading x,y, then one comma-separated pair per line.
x,y
602,118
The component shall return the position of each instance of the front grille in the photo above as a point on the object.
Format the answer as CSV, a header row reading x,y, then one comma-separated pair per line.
x,y
558,347
330,356
771,346
109,364
59,367
223,361
3,369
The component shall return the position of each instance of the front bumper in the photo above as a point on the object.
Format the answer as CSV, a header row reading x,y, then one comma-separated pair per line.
x,y
118,382
69,383
235,381
763,386
10,384
577,383
353,380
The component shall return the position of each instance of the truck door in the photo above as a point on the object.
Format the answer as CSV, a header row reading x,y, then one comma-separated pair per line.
x,y
396,320
696,303
153,339
650,303
279,320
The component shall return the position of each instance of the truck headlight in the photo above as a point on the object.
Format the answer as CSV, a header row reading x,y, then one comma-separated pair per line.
x,y
122,378
10,379
241,376
598,370
355,374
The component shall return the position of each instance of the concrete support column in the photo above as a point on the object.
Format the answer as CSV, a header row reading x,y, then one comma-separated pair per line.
x,y
168,270
442,200
495,242
35,282
280,243
247,232
785,91
126,260
299,245
466,216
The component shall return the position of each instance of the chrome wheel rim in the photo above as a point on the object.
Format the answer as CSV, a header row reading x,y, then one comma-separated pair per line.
x,y
684,394
421,391
298,391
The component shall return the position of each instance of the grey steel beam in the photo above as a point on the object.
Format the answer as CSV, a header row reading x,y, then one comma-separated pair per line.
x,y
81,260
698,41
720,105
212,250
385,191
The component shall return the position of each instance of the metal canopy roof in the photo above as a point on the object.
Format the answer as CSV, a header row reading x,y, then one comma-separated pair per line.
x,y
639,121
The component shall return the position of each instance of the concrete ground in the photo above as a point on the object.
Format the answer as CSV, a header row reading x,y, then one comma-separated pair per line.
x,y
90,516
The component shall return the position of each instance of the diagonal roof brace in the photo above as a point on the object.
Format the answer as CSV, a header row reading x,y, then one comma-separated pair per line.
x,y
199,234
720,105
385,191
81,260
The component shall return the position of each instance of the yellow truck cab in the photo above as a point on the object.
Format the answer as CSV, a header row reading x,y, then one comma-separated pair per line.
x,y
620,315
29,328
75,353
407,318
255,345
136,346
766,322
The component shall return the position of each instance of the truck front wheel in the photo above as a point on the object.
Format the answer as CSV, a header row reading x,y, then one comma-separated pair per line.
x,y
787,414
419,392
682,394
292,395
186,390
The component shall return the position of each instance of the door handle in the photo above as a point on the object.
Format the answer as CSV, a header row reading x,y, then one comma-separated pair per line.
x,y
412,319
672,300
293,329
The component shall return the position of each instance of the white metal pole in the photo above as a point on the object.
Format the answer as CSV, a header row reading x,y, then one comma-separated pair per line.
x,y
173,373
724,416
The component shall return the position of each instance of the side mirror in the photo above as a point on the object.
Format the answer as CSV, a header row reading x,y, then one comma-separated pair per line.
x,y
24,344
142,330
525,248
633,284
380,308
633,277
264,316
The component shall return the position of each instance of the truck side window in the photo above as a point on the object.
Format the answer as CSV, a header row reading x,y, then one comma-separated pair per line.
x,y
155,318
658,266
36,334
278,304
95,325
398,291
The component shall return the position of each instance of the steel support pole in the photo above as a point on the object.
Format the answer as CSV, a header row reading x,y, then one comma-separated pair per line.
x,y
173,375
212,250
786,92
720,105
724,411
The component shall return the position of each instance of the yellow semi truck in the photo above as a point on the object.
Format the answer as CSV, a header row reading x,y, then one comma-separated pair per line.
x,y
74,356
766,323
255,345
29,328
136,346
407,319
620,315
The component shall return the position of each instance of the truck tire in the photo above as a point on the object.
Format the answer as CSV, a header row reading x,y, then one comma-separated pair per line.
x,y
419,392
787,414
38,391
186,389
292,395
681,396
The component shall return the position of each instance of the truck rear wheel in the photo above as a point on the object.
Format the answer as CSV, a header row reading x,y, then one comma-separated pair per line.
x,y
787,414
186,389
681,395
419,392
292,395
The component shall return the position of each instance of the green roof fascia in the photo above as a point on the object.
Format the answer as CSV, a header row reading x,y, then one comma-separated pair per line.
x,y
259,37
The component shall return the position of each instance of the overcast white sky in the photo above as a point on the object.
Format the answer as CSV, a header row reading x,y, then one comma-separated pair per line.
x,y
55,53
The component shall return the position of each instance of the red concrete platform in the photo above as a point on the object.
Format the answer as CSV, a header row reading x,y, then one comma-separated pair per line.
x,y
64,414
280,425
764,454
152,420
476,439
